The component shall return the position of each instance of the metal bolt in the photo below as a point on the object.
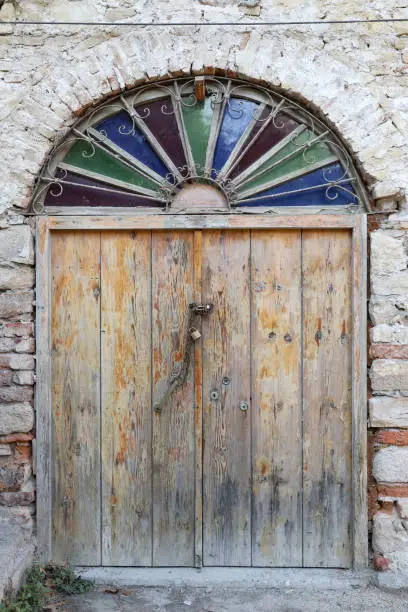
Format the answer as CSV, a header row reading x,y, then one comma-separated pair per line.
x,y
214,395
226,380
244,406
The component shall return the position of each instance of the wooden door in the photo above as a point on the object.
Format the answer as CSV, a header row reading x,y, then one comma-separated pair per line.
x,y
249,462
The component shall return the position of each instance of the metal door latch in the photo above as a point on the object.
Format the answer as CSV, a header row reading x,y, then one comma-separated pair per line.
x,y
178,375
201,309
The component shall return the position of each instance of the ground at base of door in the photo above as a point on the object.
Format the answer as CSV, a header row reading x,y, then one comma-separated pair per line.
x,y
235,599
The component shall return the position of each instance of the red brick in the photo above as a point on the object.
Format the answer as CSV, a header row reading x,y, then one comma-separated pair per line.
x,y
387,507
373,505
388,351
396,437
381,564
23,451
374,222
17,437
392,490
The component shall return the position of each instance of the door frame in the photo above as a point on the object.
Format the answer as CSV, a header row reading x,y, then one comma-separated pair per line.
x,y
357,223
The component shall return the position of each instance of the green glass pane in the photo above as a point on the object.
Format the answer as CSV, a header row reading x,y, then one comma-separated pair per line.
x,y
104,164
304,159
197,120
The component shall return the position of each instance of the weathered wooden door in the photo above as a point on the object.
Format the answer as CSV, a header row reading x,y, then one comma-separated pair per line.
x,y
249,462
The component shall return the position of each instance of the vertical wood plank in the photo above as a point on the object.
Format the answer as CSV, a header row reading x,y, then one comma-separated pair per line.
x,y
198,390
327,407
76,397
359,465
276,398
43,389
173,428
126,398
226,353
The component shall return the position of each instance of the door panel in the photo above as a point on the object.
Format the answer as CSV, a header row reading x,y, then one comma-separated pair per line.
x,y
276,398
226,353
126,399
327,398
75,349
173,428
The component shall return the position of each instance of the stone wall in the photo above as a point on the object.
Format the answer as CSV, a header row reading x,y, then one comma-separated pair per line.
x,y
388,404
353,76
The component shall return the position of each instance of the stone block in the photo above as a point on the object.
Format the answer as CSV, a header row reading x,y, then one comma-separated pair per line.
x,y
395,283
391,464
16,418
6,377
388,309
20,498
16,394
393,334
402,508
387,375
387,252
14,276
5,450
17,244
18,329
25,345
17,361
6,345
389,534
16,543
388,411
12,477
15,303
25,377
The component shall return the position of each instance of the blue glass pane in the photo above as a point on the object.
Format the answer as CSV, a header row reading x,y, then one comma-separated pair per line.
x,y
236,119
119,128
316,197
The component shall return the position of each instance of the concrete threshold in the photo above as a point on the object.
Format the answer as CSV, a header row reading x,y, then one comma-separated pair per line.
x,y
237,577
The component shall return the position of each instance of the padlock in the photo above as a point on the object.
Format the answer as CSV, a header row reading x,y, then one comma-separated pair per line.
x,y
195,334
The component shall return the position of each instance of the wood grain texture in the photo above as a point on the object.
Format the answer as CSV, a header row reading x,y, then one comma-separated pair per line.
x,y
43,391
276,398
359,450
198,408
327,407
226,350
173,428
76,398
126,398
298,219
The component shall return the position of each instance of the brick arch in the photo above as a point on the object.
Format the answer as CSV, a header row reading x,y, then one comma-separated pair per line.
x,y
39,118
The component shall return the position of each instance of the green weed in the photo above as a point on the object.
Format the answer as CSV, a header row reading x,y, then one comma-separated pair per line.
x,y
40,583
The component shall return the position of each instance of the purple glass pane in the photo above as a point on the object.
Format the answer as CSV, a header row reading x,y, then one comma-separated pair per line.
x,y
322,196
161,121
121,130
81,192
274,132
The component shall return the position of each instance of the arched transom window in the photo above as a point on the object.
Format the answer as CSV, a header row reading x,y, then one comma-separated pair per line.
x,y
203,142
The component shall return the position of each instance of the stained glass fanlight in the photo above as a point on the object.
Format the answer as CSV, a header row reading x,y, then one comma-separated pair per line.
x,y
256,148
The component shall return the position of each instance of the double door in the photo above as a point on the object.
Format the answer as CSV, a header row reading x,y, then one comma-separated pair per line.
x,y
248,461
